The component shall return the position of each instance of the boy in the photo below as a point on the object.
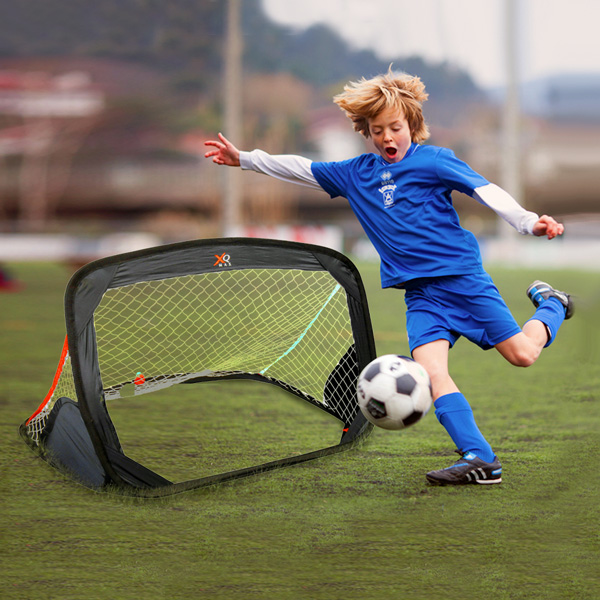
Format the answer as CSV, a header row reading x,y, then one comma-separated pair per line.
x,y
401,196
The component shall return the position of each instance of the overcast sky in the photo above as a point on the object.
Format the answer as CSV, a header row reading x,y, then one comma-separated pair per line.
x,y
555,36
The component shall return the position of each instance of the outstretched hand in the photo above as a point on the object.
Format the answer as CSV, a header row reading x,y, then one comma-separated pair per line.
x,y
548,226
225,153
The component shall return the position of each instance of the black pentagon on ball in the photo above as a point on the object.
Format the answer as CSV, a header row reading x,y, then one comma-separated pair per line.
x,y
376,408
371,371
405,384
412,418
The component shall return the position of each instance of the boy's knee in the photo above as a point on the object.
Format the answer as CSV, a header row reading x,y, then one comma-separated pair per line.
x,y
519,350
522,357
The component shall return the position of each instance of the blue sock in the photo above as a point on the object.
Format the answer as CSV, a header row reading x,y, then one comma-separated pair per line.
x,y
455,414
552,314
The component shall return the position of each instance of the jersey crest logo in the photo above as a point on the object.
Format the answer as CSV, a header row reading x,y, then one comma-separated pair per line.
x,y
388,194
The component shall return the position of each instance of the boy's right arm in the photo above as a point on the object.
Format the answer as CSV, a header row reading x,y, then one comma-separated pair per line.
x,y
224,153
288,167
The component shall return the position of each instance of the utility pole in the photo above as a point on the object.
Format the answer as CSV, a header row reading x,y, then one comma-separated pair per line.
x,y
231,216
511,162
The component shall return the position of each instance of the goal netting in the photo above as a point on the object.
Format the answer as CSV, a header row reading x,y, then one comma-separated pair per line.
x,y
287,314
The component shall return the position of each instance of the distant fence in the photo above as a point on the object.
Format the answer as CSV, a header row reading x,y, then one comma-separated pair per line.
x,y
63,247
570,252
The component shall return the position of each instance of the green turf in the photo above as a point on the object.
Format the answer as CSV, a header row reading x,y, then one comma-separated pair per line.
x,y
361,524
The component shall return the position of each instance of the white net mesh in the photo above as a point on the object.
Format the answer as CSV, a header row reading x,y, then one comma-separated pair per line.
x,y
289,326
64,387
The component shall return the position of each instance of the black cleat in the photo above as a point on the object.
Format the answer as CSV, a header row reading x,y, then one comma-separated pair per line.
x,y
468,469
539,291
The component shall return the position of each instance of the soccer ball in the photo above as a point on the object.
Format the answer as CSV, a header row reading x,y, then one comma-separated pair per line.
x,y
394,392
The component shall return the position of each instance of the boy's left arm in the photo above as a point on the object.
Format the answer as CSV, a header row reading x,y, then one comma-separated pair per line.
x,y
524,221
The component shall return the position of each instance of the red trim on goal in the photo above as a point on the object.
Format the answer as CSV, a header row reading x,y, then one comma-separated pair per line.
x,y
61,364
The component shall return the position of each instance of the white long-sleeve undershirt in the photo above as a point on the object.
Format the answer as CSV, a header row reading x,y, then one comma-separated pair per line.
x,y
297,169
287,167
505,206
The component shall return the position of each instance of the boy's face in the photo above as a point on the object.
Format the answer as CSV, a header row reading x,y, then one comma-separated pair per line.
x,y
391,134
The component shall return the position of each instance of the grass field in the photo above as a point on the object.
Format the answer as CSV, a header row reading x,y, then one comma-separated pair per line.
x,y
361,524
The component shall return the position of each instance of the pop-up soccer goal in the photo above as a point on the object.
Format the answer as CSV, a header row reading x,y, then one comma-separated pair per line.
x,y
288,314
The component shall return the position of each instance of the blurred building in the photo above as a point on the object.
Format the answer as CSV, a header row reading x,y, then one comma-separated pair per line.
x,y
177,190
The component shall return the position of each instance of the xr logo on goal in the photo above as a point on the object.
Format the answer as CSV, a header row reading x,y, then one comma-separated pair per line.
x,y
223,261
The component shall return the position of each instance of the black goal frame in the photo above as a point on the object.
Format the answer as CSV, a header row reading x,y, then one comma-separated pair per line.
x,y
87,418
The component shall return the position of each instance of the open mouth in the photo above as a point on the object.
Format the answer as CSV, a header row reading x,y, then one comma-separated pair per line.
x,y
391,152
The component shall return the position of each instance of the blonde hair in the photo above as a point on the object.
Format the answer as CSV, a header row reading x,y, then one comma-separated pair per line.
x,y
364,99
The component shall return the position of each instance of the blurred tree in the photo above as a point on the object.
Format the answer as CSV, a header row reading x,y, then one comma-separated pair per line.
x,y
275,106
184,39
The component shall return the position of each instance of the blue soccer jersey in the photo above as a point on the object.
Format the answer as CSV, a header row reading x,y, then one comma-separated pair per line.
x,y
406,210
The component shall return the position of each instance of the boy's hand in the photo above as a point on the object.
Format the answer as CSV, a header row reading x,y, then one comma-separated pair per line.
x,y
225,154
548,226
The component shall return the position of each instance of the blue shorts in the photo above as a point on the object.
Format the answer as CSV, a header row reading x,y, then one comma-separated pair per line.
x,y
450,307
